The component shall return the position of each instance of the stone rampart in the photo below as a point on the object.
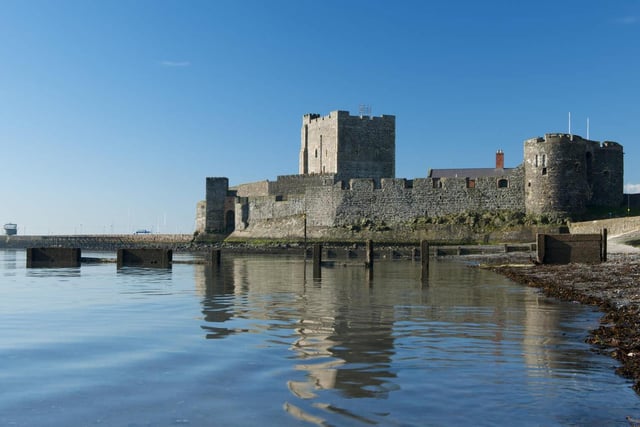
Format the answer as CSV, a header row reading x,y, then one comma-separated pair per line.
x,y
252,189
397,201
297,184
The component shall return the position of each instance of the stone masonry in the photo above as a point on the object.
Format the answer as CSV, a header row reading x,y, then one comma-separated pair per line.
x,y
347,178
348,146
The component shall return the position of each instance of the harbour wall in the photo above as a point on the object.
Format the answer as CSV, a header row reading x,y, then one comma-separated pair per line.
x,y
98,242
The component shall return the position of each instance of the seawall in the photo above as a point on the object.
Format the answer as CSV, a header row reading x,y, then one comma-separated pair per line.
x,y
614,226
411,234
99,242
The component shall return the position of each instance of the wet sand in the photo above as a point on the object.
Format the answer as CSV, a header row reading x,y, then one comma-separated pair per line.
x,y
614,286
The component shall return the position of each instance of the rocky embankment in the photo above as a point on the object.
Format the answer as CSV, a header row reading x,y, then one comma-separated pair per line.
x,y
614,286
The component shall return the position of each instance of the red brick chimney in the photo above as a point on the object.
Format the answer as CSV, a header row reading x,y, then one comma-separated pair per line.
x,y
499,159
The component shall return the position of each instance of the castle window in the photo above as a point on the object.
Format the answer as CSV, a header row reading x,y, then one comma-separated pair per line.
x,y
544,171
436,183
544,160
536,162
471,183
503,183
316,153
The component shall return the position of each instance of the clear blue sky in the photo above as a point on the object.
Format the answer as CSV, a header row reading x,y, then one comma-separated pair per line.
x,y
113,113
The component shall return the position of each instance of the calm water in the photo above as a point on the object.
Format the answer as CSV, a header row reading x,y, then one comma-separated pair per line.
x,y
263,343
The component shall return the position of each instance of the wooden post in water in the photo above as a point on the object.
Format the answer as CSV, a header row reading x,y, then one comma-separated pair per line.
x,y
424,260
317,260
304,218
369,255
603,257
215,258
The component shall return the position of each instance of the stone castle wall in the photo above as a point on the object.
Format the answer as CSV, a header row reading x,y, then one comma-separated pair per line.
x,y
346,180
297,184
607,177
397,201
259,188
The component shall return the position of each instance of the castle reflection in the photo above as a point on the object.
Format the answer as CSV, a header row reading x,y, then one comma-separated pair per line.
x,y
347,331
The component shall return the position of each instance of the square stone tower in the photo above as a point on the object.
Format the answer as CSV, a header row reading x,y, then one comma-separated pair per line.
x,y
348,146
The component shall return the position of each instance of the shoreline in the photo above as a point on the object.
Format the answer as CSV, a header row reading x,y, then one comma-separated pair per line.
x,y
612,286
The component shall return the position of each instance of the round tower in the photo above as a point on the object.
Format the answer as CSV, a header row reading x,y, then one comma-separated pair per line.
x,y
556,174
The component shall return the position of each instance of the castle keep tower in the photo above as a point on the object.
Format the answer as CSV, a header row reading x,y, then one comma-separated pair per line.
x,y
565,174
348,146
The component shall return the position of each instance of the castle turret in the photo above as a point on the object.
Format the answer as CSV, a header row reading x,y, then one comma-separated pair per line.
x,y
565,174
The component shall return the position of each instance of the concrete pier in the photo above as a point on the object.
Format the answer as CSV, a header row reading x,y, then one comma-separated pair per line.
x,y
571,248
53,257
157,258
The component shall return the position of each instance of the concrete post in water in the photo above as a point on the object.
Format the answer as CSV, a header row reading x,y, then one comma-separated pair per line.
x,y
369,255
604,245
424,259
317,260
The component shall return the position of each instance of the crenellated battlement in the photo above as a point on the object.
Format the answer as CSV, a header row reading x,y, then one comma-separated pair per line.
x,y
567,138
340,114
347,175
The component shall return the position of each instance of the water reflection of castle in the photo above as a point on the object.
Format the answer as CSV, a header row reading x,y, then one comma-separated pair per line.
x,y
345,334
320,317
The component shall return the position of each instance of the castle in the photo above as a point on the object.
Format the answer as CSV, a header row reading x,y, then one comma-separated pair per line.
x,y
347,177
